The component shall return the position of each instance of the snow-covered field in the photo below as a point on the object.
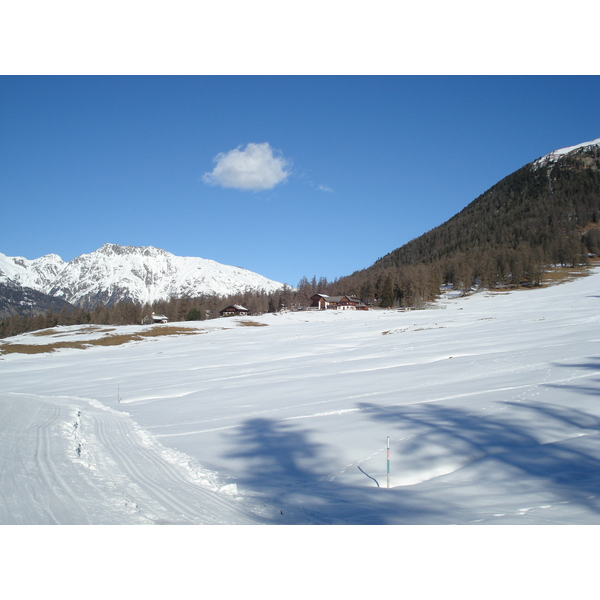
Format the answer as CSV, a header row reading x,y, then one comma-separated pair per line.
x,y
491,404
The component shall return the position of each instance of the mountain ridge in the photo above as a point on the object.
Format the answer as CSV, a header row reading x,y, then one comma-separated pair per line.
x,y
142,274
556,154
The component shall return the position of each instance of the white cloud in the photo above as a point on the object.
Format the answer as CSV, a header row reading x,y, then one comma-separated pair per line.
x,y
255,167
324,188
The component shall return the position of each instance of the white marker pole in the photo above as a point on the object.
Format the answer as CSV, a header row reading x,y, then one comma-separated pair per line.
x,y
388,462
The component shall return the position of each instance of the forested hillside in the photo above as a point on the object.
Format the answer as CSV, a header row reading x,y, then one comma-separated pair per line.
x,y
546,213
26,301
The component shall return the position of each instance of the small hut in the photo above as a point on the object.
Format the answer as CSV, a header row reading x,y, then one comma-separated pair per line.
x,y
154,318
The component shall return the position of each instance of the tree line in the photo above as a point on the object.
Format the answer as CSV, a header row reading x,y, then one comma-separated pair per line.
x,y
415,286
196,308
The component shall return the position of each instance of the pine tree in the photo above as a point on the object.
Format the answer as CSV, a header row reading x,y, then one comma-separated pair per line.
x,y
387,296
194,314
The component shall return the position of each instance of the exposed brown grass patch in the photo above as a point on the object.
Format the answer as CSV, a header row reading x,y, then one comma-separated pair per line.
x,y
95,329
83,331
39,348
554,276
44,332
252,324
564,274
109,340
161,330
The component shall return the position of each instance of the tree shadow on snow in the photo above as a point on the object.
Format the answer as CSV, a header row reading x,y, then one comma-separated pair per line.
x,y
529,448
287,471
449,464
592,390
593,364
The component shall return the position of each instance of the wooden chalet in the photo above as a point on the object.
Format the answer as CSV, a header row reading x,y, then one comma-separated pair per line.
x,y
323,302
154,318
234,310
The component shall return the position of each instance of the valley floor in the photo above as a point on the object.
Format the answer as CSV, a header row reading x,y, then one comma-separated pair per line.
x,y
491,404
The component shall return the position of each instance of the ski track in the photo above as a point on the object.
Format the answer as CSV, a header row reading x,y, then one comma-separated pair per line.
x,y
63,465
40,471
187,502
59,492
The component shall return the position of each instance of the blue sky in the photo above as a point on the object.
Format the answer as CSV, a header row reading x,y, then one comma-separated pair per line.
x,y
288,176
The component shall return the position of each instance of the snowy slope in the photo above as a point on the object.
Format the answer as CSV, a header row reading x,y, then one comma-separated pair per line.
x,y
37,274
147,274
490,403
557,154
141,274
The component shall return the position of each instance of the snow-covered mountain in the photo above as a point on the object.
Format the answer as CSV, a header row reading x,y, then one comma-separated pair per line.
x,y
555,155
37,274
140,274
